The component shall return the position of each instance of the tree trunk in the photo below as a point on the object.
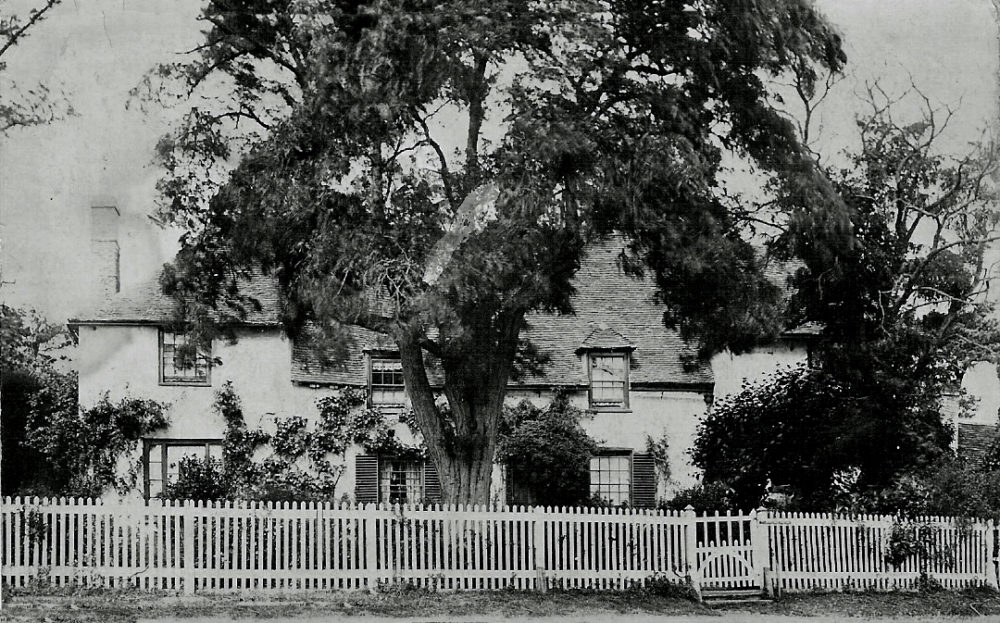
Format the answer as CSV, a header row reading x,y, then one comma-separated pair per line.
x,y
461,438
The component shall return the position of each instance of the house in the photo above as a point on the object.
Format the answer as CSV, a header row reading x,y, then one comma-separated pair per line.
x,y
635,379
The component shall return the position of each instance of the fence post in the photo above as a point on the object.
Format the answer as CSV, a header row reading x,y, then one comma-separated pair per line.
x,y
187,512
371,545
991,557
760,539
538,550
691,549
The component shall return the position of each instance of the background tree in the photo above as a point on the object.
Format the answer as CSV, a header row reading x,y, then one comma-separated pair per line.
x,y
434,172
30,350
904,314
22,105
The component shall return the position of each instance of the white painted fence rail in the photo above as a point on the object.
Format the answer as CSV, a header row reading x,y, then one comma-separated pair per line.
x,y
189,546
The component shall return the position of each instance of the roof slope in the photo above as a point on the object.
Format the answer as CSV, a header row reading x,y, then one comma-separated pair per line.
x,y
613,311
147,304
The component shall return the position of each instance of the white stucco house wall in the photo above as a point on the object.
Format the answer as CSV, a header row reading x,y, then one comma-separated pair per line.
x,y
634,378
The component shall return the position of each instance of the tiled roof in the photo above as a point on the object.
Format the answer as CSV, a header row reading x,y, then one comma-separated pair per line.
x,y
613,311
975,440
147,304
611,302
605,338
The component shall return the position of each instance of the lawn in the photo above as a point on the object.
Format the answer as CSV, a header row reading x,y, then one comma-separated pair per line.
x,y
128,606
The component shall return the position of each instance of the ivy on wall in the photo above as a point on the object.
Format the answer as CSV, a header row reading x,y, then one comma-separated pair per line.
x,y
83,449
305,461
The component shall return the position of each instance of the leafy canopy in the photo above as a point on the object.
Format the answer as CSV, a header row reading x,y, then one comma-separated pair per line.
x,y
433,172
456,159
903,312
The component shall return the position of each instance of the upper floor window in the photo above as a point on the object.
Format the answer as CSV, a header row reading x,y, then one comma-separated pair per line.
x,y
608,380
179,364
385,382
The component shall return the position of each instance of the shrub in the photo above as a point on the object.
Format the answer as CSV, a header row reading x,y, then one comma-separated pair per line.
x,y
709,496
199,479
547,452
804,429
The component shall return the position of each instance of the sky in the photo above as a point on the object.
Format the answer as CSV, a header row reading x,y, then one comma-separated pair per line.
x,y
98,50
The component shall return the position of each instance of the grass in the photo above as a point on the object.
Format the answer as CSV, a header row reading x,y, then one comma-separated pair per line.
x,y
120,606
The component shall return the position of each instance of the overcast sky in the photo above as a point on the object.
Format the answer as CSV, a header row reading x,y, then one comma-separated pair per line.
x,y
99,49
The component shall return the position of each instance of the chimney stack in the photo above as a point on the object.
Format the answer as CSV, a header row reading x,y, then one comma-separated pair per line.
x,y
104,249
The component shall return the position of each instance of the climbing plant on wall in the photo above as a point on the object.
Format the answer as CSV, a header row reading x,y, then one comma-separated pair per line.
x,y
300,460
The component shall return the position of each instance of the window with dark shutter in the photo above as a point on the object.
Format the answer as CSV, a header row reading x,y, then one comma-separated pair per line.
x,y
643,481
366,478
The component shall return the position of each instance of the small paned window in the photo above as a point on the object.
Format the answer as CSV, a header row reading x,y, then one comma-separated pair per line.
x,y
608,380
386,388
180,365
611,478
162,457
401,482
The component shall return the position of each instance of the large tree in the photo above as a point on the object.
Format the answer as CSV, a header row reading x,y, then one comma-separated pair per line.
x,y
434,171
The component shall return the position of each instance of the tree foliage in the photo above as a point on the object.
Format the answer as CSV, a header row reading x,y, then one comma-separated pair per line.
x,y
803,428
20,105
434,172
903,311
88,451
547,452
31,350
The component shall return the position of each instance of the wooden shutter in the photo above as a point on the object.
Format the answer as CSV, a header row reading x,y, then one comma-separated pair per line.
x,y
432,483
643,481
366,478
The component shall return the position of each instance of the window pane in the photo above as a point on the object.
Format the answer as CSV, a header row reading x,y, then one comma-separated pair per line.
x,y
171,454
178,368
607,380
386,383
401,482
610,478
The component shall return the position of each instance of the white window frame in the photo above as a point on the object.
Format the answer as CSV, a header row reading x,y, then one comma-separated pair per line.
x,y
608,484
159,446
593,357
414,491
203,361
374,362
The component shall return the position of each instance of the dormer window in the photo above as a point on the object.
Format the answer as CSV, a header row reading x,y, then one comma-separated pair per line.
x,y
385,383
180,364
608,380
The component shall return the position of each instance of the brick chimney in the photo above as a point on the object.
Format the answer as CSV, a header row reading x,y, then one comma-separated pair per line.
x,y
104,249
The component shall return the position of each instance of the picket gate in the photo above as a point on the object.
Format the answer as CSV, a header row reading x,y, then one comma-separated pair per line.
x,y
237,546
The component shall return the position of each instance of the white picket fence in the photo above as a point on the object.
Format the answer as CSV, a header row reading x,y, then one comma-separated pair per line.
x,y
189,546
811,551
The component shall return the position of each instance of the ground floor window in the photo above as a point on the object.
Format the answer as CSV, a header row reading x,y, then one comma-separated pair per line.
x,y
611,477
401,481
161,460
395,480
